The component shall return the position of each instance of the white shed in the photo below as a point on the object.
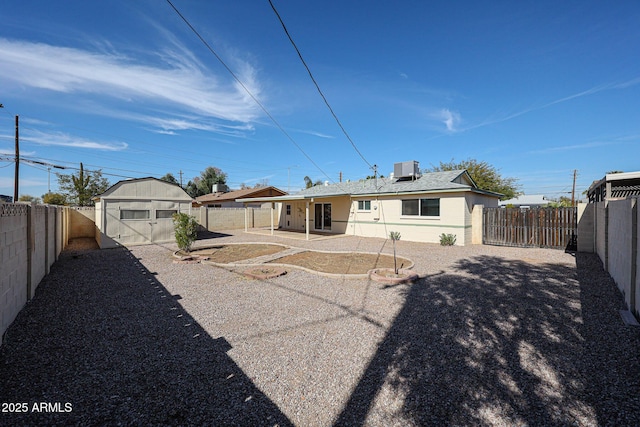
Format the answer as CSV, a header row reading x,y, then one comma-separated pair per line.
x,y
139,211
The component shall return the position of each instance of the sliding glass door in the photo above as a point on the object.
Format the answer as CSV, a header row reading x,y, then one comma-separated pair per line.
x,y
322,216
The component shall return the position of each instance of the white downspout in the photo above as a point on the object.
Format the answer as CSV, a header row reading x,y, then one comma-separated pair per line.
x,y
272,218
307,220
246,226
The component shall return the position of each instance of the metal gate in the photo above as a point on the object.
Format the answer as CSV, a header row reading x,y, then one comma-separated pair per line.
x,y
538,227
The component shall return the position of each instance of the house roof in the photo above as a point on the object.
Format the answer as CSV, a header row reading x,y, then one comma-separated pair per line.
x,y
526,200
458,180
231,196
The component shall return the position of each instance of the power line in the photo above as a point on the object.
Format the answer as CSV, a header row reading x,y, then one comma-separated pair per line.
x,y
318,86
237,79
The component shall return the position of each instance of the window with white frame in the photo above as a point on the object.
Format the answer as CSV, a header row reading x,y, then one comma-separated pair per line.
x,y
364,205
134,214
421,207
165,213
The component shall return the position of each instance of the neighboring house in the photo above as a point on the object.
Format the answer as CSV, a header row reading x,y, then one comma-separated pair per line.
x,y
421,208
228,199
615,186
526,201
139,211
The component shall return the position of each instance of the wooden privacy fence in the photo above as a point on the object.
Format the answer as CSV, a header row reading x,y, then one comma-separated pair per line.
x,y
539,227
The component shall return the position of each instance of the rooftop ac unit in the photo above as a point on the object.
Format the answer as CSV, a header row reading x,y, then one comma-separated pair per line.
x,y
409,169
219,188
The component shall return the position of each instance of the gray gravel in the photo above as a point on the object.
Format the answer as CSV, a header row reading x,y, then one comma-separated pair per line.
x,y
487,336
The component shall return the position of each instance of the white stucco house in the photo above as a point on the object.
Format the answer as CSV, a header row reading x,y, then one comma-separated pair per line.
x,y
139,211
420,207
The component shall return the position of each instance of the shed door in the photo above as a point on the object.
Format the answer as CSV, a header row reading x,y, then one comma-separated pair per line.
x,y
128,222
161,223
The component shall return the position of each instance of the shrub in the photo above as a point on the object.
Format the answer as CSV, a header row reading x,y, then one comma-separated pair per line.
x,y
448,239
186,229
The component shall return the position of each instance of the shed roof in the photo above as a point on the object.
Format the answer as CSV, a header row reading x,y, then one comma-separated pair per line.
x,y
173,191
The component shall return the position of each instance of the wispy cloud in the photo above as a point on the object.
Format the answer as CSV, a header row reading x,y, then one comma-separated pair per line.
x,y
451,119
586,145
315,133
179,83
24,182
588,92
169,126
66,140
13,153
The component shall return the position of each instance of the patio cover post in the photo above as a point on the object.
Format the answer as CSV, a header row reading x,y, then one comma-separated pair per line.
x,y
246,227
306,221
272,218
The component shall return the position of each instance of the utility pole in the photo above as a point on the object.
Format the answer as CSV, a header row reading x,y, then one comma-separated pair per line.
x,y
573,191
181,179
48,180
17,174
340,176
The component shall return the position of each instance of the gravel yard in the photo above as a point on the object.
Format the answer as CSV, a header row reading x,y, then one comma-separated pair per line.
x,y
487,336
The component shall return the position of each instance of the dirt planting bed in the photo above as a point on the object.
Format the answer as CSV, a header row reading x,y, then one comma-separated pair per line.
x,y
340,263
225,254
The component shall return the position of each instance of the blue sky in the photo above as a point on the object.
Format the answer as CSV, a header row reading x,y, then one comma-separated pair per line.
x,y
536,89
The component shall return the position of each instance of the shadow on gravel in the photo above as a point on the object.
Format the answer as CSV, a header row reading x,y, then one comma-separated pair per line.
x,y
507,343
105,340
206,234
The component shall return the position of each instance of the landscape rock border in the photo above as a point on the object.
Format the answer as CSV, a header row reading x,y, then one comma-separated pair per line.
x,y
262,273
385,275
274,263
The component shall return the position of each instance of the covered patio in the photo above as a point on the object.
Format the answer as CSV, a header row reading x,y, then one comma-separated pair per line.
x,y
292,234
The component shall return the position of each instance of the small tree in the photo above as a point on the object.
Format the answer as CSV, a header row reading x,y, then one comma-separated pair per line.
x,y
54,199
28,198
394,235
486,176
186,230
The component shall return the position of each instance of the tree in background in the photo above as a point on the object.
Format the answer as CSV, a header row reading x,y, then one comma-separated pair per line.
x,y
170,179
308,183
203,184
562,202
485,176
260,184
28,198
54,199
80,188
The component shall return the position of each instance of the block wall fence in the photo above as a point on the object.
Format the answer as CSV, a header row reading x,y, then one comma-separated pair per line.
x,y
31,239
614,237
